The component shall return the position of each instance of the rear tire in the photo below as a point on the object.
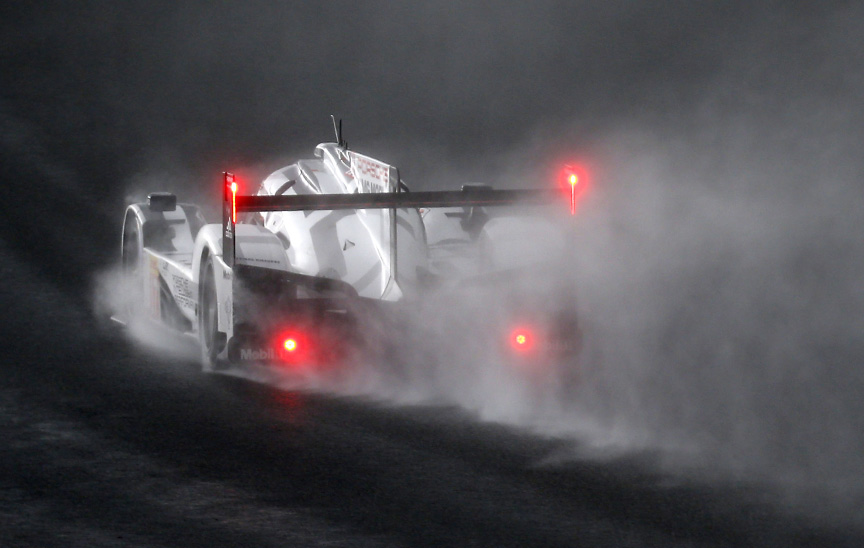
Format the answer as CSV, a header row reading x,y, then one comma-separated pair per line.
x,y
212,340
131,259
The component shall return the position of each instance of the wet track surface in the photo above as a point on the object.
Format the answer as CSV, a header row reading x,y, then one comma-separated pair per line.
x,y
227,463
105,445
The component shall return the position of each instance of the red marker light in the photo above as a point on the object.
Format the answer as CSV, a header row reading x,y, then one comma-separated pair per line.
x,y
290,345
573,178
233,202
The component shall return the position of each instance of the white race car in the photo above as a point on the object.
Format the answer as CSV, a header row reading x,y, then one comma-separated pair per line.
x,y
326,256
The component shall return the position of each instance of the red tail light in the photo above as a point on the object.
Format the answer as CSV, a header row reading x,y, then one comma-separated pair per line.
x,y
573,179
522,339
234,201
293,346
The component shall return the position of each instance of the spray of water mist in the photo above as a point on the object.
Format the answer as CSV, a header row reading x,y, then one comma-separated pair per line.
x,y
716,262
721,300
726,300
115,294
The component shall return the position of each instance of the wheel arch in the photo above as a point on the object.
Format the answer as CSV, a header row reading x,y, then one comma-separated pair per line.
x,y
208,243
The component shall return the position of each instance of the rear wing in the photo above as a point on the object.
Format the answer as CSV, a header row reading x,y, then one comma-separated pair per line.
x,y
467,197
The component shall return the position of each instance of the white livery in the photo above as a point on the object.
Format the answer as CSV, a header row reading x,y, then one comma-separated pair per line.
x,y
298,267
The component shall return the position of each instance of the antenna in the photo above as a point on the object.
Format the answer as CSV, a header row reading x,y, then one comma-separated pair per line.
x,y
338,130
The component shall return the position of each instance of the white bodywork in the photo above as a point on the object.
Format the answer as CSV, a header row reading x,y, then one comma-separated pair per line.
x,y
353,246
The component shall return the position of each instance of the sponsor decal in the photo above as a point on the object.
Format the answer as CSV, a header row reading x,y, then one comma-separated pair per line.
x,y
182,287
246,260
371,175
257,354
563,345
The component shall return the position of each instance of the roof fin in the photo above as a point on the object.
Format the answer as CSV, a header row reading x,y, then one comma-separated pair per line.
x,y
338,129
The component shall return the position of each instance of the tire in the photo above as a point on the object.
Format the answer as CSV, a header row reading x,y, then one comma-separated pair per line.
x,y
212,341
131,258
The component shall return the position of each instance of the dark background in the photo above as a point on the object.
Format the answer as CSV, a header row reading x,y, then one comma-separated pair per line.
x,y
115,97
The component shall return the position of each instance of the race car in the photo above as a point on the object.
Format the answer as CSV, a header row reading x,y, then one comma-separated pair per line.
x,y
329,256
